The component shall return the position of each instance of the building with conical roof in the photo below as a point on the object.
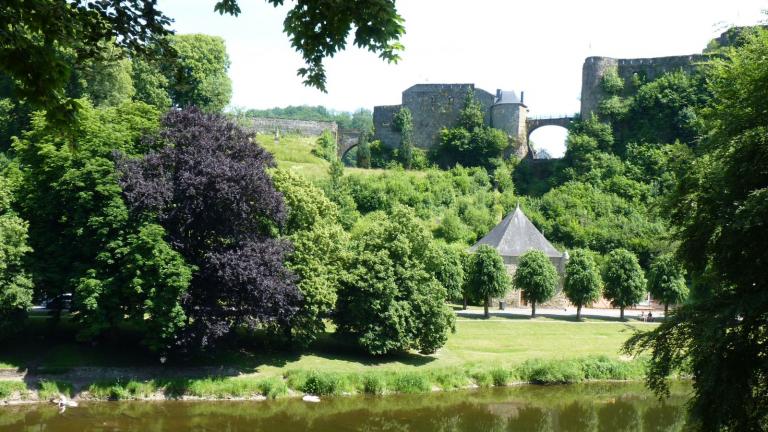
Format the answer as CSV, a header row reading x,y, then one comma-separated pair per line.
x,y
514,236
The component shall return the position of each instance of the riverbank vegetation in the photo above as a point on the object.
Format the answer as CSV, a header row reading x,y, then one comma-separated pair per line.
x,y
296,382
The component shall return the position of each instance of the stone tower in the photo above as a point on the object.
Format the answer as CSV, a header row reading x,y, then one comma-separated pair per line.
x,y
509,114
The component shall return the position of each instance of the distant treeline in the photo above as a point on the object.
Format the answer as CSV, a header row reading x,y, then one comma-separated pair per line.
x,y
360,119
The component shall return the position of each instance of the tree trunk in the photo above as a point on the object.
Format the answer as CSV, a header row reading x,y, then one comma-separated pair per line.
x,y
487,302
533,309
578,313
465,302
621,316
666,311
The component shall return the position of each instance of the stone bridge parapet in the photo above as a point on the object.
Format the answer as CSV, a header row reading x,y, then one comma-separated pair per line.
x,y
533,123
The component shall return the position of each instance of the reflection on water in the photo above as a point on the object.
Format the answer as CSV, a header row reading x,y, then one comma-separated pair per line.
x,y
575,408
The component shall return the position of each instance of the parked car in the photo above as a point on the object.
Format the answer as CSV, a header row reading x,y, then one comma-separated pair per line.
x,y
60,302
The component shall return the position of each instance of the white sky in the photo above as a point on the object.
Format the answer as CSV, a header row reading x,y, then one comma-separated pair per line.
x,y
535,46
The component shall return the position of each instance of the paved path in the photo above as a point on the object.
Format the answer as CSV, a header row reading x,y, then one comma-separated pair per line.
x,y
569,314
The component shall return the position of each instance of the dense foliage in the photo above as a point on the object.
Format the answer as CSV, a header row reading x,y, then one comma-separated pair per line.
x,y
582,284
536,277
388,300
666,281
720,207
487,276
470,142
624,279
319,252
85,242
326,146
403,123
46,39
198,74
15,282
208,186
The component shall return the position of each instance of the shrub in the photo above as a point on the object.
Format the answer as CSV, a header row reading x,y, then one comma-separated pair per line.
x,y
272,387
52,389
323,383
500,376
410,382
450,379
602,367
550,372
482,378
8,388
326,147
373,384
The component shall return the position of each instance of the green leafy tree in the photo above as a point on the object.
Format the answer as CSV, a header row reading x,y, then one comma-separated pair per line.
x,y
720,206
15,283
582,283
326,147
446,263
403,123
487,276
624,279
611,82
48,37
120,270
107,81
319,252
150,85
536,277
388,301
471,143
666,281
364,151
197,74
307,204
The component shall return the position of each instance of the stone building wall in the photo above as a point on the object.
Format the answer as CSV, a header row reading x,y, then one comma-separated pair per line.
x,y
514,297
433,107
646,68
436,106
384,131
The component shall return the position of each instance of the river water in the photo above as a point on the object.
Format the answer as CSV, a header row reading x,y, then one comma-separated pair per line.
x,y
584,407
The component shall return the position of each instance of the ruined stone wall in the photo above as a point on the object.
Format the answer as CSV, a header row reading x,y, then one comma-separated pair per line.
x,y
647,69
288,126
384,131
437,106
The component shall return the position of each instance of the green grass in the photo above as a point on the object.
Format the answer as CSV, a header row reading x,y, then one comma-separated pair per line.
x,y
8,388
477,342
294,153
52,389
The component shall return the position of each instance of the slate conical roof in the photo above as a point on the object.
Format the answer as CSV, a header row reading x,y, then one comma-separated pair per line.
x,y
516,235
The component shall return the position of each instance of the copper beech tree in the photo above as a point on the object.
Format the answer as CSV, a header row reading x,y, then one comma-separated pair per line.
x,y
208,187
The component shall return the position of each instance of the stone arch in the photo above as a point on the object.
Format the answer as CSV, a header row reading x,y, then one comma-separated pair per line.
x,y
343,154
345,140
534,123
548,142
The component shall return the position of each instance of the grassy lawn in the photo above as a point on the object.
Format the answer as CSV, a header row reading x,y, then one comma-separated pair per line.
x,y
477,342
294,153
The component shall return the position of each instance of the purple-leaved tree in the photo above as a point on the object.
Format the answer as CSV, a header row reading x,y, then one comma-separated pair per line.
x,y
208,187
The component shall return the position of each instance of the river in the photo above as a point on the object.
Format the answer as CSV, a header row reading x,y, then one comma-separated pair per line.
x,y
583,407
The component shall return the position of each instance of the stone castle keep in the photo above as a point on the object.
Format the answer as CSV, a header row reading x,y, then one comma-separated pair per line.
x,y
437,106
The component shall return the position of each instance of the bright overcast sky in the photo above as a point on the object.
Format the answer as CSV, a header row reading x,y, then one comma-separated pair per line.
x,y
534,46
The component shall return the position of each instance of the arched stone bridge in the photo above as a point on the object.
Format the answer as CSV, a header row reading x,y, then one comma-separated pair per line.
x,y
533,123
346,140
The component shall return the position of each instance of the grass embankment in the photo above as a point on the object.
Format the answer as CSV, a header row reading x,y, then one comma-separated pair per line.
x,y
294,153
481,353
325,383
